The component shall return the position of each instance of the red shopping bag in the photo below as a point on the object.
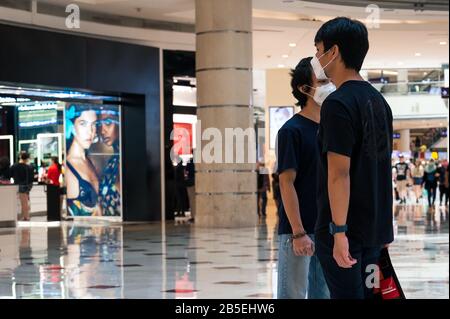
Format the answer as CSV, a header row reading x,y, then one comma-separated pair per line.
x,y
389,284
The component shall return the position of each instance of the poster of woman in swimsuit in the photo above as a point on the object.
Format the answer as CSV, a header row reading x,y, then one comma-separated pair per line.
x,y
93,161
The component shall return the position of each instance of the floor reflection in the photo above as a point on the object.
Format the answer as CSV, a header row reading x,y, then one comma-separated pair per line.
x,y
78,260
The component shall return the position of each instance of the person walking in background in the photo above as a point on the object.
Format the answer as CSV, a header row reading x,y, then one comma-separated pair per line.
x,y
430,179
23,175
417,173
300,275
190,186
5,174
446,182
276,191
443,188
355,217
263,188
180,189
402,173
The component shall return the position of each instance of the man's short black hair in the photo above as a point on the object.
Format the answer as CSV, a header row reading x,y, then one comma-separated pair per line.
x,y
301,75
350,36
24,155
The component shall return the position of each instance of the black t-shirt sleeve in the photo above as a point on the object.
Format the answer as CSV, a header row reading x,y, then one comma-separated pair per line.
x,y
288,150
338,135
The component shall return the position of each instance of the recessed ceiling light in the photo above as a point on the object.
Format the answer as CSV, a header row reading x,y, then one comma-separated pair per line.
x,y
281,65
418,54
285,56
292,44
443,43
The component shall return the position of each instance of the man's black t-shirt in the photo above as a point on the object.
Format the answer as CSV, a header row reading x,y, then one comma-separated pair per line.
x,y
402,169
356,122
22,174
297,149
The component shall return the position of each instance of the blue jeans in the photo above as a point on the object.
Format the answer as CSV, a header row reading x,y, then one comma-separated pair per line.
x,y
299,277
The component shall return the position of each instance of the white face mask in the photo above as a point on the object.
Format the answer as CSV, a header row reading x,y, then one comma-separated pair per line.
x,y
322,92
319,71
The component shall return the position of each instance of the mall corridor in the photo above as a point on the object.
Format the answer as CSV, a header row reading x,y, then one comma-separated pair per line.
x,y
82,260
236,152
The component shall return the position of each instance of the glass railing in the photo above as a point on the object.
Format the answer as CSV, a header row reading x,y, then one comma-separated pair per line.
x,y
410,88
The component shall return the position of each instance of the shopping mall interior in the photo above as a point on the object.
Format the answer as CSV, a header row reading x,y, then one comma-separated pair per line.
x,y
148,79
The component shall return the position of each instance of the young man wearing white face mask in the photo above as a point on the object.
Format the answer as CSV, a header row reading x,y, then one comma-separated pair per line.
x,y
299,271
355,178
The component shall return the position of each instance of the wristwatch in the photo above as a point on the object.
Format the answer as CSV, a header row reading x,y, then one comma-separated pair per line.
x,y
334,229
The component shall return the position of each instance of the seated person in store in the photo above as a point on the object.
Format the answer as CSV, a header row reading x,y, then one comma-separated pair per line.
x,y
110,180
81,176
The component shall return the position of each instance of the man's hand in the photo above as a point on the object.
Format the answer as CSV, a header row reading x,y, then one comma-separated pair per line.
x,y
303,246
341,251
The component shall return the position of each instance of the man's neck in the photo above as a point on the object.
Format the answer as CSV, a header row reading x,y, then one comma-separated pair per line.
x,y
311,111
345,75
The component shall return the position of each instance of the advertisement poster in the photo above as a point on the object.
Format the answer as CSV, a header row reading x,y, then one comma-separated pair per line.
x,y
182,138
277,117
49,145
93,163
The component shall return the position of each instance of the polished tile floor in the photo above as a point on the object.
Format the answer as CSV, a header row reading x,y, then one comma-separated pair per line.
x,y
76,260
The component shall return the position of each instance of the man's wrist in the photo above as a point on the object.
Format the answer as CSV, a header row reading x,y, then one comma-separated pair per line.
x,y
298,235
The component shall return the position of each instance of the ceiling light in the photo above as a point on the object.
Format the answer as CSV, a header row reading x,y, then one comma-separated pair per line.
x,y
443,43
281,65
285,56
418,54
292,44
400,63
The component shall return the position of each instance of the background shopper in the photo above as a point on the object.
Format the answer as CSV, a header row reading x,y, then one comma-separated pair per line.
x,y
190,186
263,188
417,173
402,174
180,190
431,182
276,191
23,175
443,188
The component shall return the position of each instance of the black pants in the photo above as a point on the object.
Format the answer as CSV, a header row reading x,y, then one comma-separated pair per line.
x,y
262,203
443,192
347,283
431,191
181,199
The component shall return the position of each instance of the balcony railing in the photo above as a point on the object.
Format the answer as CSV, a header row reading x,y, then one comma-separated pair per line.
x,y
410,88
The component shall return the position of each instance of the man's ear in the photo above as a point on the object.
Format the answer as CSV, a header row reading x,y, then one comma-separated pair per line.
x,y
335,51
303,89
